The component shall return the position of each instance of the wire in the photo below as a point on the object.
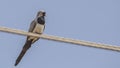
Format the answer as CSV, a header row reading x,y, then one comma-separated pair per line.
x,y
61,39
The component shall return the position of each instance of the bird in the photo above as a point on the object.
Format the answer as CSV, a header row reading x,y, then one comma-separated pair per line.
x,y
37,26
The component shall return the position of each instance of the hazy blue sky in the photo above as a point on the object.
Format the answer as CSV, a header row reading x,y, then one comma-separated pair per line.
x,y
90,20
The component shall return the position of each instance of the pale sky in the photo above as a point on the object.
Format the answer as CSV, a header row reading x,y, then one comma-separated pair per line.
x,y
89,20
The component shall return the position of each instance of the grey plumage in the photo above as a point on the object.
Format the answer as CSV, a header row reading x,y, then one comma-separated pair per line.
x,y
37,26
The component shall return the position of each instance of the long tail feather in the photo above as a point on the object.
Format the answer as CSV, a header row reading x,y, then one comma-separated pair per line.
x,y
25,48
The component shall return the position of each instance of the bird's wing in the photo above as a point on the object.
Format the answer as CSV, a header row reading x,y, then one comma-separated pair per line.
x,y
32,26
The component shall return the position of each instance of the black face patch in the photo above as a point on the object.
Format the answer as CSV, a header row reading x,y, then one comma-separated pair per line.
x,y
41,20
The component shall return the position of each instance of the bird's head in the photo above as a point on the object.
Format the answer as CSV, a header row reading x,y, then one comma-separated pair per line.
x,y
41,13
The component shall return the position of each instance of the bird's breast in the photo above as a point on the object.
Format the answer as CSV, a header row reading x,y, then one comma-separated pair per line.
x,y
38,28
